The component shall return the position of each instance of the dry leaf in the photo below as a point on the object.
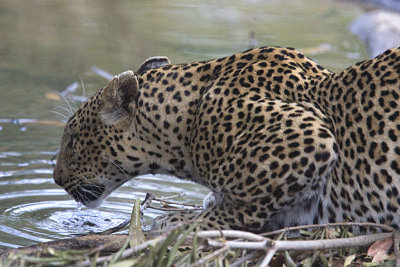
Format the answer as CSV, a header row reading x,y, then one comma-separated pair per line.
x,y
380,256
379,249
349,260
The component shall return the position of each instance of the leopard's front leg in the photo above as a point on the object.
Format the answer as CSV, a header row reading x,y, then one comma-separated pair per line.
x,y
261,215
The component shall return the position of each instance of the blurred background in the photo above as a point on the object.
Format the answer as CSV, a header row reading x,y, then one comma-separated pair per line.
x,y
47,47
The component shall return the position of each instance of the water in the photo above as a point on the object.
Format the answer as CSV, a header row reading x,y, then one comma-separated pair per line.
x,y
46,46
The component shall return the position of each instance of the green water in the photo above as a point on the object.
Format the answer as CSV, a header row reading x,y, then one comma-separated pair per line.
x,y
47,45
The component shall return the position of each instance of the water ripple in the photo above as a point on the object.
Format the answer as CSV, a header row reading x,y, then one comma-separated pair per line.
x,y
34,209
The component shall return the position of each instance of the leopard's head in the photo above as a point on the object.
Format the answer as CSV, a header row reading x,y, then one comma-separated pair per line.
x,y
100,149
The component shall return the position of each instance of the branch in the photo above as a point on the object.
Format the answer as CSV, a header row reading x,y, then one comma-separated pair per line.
x,y
249,256
268,257
301,245
230,234
350,224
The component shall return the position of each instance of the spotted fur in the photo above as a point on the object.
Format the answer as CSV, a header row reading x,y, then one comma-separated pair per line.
x,y
278,139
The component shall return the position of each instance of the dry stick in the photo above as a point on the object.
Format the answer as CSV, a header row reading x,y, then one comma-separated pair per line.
x,y
231,234
300,227
301,245
267,259
174,203
248,257
275,246
150,197
172,208
170,197
146,202
262,243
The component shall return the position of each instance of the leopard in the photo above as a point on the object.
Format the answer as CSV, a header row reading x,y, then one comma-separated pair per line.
x,y
278,139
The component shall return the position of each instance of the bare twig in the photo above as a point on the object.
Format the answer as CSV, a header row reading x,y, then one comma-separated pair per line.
x,y
302,245
195,206
231,234
170,197
267,259
248,257
350,224
176,206
146,202
170,208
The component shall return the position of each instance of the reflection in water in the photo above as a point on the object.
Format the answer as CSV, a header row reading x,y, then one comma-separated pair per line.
x,y
47,45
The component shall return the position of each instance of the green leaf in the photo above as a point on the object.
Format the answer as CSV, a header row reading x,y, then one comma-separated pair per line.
x,y
161,253
136,236
193,256
178,243
390,263
306,233
307,262
118,255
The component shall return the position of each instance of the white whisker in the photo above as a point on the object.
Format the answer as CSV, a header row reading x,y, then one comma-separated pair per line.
x,y
75,107
83,87
60,114
65,109
68,104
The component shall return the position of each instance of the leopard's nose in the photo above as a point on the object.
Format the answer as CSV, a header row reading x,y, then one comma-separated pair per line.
x,y
58,182
57,175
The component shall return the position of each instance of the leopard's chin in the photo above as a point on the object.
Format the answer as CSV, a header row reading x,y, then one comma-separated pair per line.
x,y
89,194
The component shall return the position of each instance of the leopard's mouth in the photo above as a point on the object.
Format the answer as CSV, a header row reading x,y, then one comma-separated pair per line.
x,y
89,194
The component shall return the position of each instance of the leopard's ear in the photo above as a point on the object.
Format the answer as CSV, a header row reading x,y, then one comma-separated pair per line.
x,y
152,63
119,98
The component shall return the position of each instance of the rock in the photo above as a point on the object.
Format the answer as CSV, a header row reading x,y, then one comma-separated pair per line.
x,y
379,30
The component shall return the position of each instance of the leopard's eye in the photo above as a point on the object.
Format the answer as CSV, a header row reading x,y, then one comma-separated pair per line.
x,y
71,142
